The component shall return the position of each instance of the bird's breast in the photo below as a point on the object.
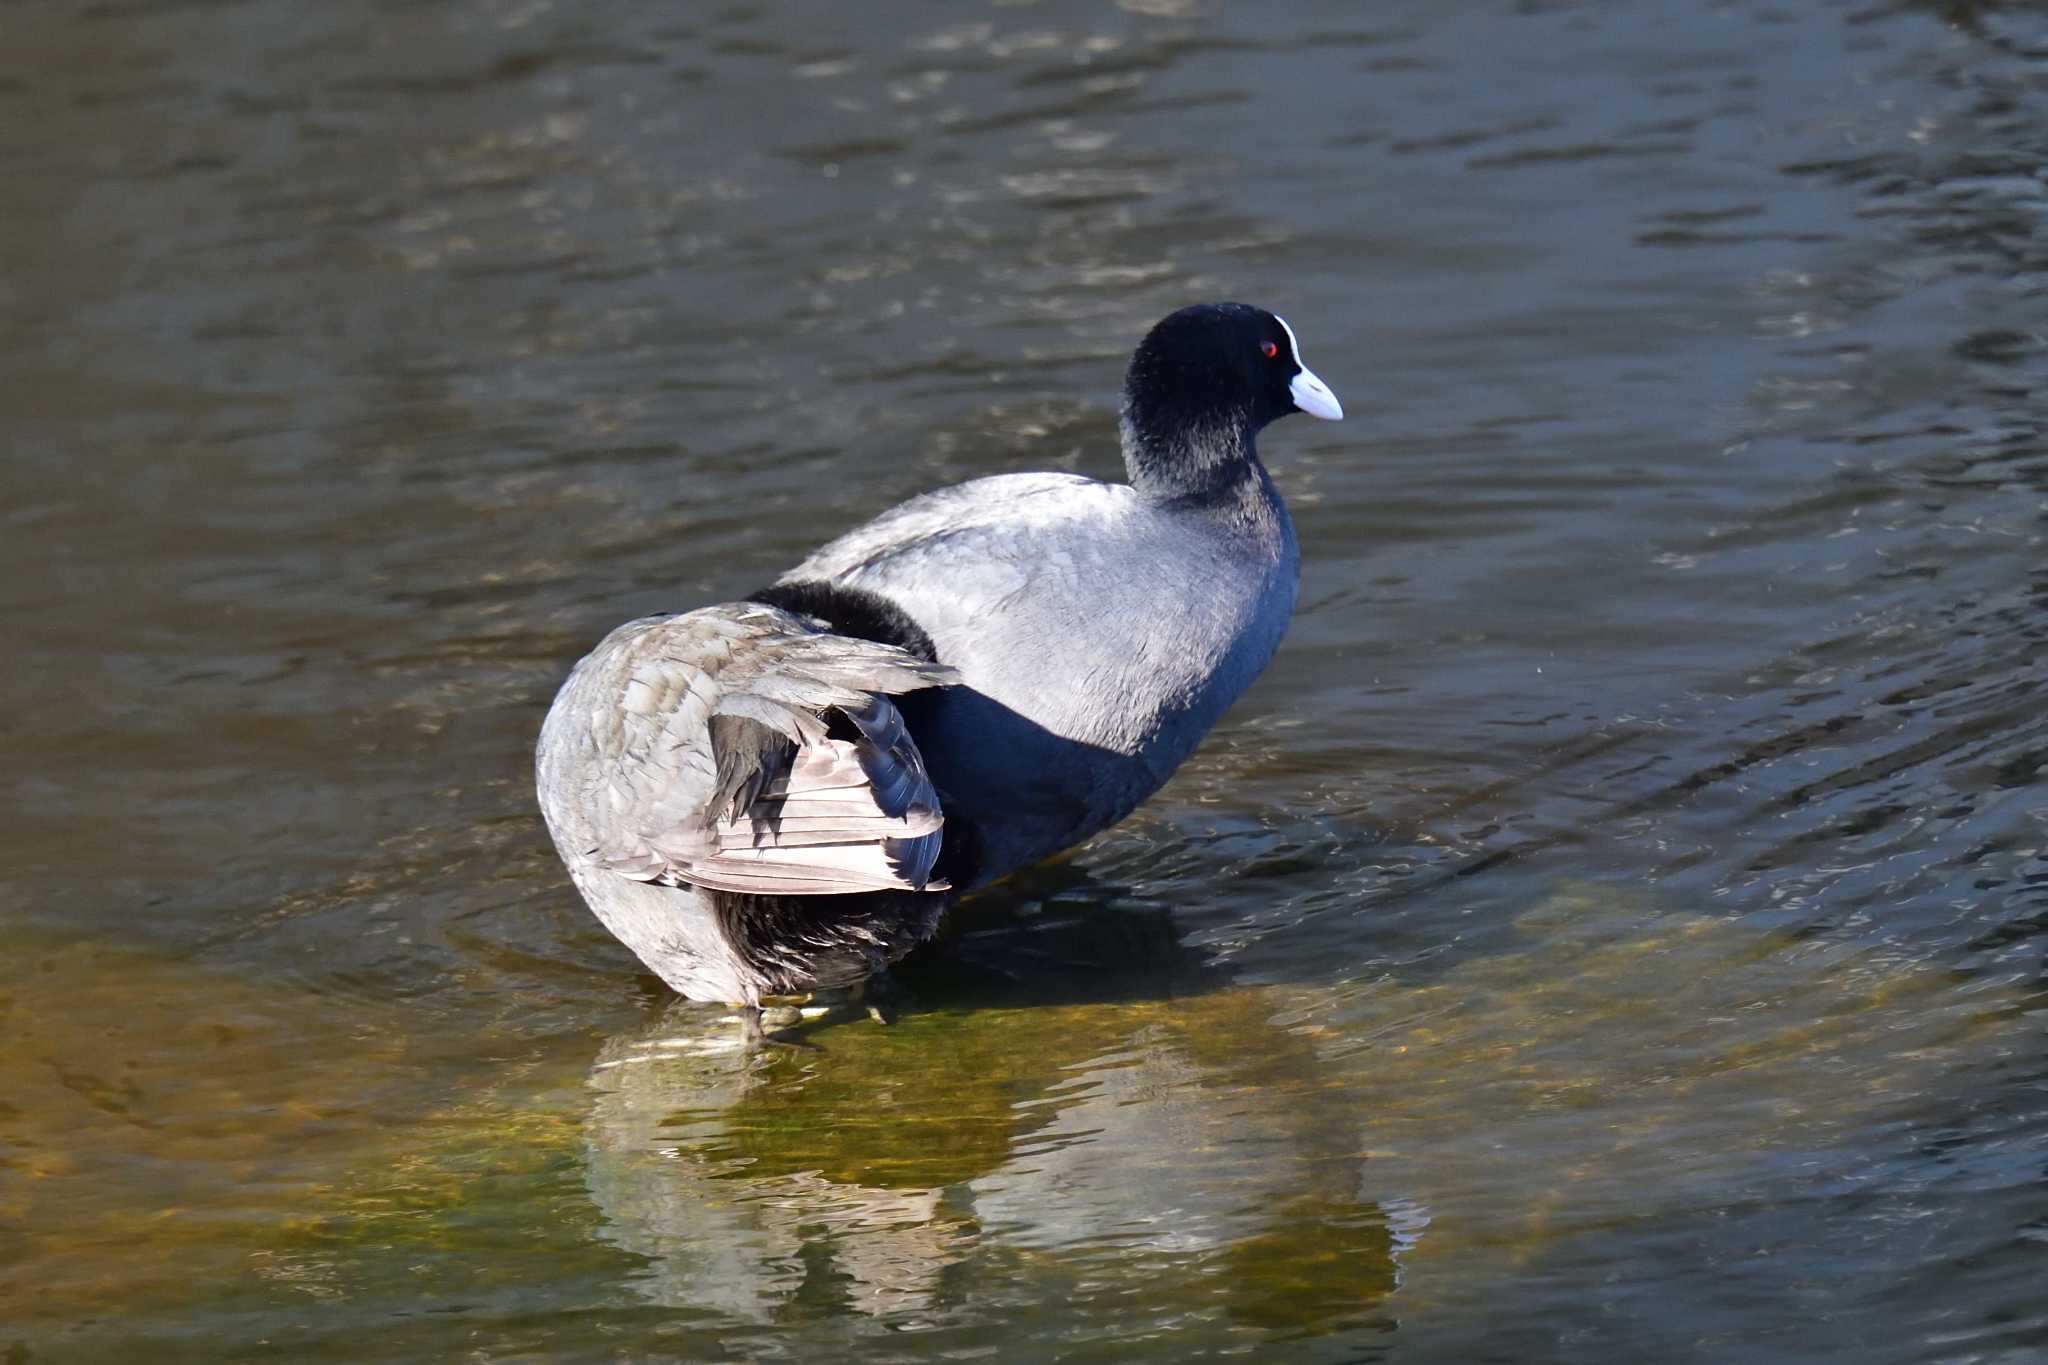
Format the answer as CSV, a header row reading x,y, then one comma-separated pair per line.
x,y
1075,705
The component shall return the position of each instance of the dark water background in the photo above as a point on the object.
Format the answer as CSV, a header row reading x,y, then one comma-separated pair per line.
x,y
1613,929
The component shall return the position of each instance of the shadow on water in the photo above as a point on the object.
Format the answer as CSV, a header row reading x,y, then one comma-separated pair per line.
x,y
1057,934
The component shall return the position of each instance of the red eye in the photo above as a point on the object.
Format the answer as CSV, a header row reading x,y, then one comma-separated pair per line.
x,y
1271,349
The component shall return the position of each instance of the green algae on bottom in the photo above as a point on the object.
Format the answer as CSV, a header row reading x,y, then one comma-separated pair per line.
x,y
1287,1159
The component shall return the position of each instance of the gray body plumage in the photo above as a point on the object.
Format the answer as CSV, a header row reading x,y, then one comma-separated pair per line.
x,y
1098,635
765,798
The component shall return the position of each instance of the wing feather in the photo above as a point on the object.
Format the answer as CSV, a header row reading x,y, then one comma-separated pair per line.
x,y
745,748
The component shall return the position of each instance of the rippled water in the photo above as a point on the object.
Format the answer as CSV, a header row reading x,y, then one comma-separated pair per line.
x,y
1613,929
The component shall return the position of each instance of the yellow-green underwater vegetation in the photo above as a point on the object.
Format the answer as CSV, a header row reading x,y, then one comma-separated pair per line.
x,y
1220,1158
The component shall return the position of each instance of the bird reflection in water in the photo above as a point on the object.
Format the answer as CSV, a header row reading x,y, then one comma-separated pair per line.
x,y
1079,1097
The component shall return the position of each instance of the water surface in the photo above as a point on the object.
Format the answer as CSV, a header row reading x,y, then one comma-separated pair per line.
x,y
1613,928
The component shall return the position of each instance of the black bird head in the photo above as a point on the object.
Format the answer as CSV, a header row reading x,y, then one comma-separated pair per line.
x,y
1201,385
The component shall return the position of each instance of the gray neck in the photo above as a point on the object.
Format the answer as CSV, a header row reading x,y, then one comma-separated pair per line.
x,y
1209,462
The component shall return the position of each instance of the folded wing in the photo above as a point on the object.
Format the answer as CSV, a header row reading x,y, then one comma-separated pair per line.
x,y
744,748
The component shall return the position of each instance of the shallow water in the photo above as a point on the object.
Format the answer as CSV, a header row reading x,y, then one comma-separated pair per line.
x,y
1613,929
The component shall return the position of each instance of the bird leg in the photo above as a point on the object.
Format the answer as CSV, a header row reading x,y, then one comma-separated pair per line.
x,y
883,996
761,1027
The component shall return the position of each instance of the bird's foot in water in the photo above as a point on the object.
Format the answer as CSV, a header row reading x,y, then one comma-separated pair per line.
x,y
880,997
883,997
764,1026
